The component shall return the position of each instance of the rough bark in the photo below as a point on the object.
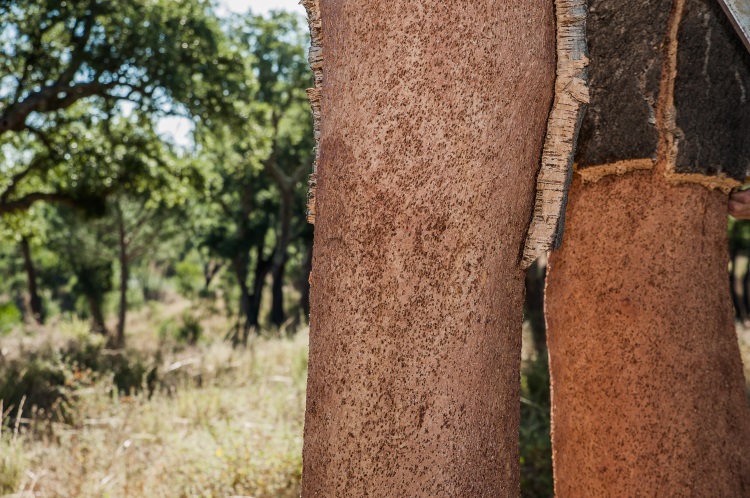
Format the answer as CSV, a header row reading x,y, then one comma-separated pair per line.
x,y
35,300
433,120
670,84
647,387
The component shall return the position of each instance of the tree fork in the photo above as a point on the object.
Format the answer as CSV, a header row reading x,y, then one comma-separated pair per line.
x,y
433,123
648,394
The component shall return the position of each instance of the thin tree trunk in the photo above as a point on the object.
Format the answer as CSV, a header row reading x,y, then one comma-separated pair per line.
x,y
98,324
303,284
119,340
278,316
240,268
745,306
534,305
262,267
648,395
35,301
736,302
434,116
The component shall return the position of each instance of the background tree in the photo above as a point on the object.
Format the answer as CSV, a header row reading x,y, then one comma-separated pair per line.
x,y
260,161
75,64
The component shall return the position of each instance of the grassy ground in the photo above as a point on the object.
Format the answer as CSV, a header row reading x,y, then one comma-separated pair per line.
x,y
220,422
216,421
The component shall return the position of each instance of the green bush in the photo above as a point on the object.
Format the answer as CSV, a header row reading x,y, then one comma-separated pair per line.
x,y
191,330
48,378
188,277
10,317
536,446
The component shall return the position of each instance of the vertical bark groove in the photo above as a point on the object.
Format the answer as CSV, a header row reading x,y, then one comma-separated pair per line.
x,y
568,109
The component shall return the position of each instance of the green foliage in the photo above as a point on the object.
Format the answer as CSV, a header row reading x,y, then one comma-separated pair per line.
x,y
189,276
154,53
10,317
187,330
48,378
536,447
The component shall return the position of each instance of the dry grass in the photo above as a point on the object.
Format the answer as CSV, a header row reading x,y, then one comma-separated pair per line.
x,y
224,423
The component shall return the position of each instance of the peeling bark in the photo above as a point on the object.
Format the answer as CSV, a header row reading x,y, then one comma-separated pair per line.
x,y
648,394
568,109
314,94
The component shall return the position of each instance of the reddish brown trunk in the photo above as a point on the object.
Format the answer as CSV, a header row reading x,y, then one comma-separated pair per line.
x,y
433,122
647,385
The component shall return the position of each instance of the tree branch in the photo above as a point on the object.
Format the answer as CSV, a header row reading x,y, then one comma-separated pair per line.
x,y
48,99
28,200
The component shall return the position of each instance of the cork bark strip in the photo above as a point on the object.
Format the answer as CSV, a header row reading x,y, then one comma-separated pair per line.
x,y
568,109
316,64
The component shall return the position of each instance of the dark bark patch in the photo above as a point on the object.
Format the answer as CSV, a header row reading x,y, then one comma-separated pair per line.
x,y
625,45
711,94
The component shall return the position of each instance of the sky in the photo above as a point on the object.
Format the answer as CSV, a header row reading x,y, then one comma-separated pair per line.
x,y
261,6
178,129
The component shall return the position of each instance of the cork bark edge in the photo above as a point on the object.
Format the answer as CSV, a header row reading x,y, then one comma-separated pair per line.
x,y
563,125
315,58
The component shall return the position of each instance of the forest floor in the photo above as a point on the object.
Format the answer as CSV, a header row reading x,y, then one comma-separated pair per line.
x,y
220,421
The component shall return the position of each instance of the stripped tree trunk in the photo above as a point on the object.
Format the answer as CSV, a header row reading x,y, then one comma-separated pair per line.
x,y
433,118
647,387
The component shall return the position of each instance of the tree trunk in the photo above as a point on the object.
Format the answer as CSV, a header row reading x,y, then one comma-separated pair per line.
x,y
433,124
35,301
303,285
648,395
262,267
746,290
278,316
98,324
534,306
736,301
240,268
119,340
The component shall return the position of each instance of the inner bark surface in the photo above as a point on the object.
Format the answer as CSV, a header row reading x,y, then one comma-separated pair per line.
x,y
648,394
433,119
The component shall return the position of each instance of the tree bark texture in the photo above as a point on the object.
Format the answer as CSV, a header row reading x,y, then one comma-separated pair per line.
x,y
433,120
648,393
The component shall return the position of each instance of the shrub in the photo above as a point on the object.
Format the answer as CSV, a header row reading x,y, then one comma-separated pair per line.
x,y
10,317
48,377
536,446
